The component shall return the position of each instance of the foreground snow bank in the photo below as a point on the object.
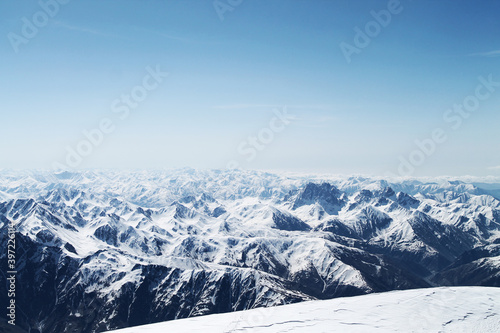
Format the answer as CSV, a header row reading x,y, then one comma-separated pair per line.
x,y
461,309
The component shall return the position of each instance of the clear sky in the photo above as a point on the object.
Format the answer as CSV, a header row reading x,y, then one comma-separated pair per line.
x,y
233,66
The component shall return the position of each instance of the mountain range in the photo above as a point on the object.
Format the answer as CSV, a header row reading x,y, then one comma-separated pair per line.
x,y
102,250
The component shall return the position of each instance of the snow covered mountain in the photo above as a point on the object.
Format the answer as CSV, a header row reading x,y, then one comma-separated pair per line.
x,y
100,250
459,309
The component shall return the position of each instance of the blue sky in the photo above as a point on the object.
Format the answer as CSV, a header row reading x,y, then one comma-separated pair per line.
x,y
226,78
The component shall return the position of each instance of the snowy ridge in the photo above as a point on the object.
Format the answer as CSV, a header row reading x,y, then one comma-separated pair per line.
x,y
464,309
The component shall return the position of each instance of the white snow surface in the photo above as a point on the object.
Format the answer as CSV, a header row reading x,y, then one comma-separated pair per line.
x,y
458,309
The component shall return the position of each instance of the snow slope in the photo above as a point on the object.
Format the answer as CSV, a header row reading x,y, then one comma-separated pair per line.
x,y
459,309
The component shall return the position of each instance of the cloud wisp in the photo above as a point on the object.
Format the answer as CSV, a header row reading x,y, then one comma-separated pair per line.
x,y
489,54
